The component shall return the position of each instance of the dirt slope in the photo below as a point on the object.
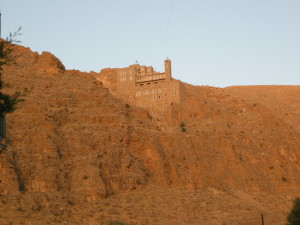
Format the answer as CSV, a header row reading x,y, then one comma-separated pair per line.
x,y
79,155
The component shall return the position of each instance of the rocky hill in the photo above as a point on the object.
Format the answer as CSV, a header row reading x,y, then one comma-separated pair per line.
x,y
79,155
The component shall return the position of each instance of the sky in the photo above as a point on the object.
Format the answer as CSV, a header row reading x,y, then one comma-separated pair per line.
x,y
210,42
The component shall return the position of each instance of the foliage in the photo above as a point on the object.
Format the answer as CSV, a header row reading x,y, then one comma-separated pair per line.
x,y
294,216
8,102
12,36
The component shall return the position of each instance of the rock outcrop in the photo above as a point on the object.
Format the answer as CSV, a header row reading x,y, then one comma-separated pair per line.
x,y
73,142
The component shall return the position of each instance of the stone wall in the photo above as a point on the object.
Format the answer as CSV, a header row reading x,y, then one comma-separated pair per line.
x,y
144,87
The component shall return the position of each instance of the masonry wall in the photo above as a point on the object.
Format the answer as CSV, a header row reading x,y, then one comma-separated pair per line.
x,y
144,87
158,95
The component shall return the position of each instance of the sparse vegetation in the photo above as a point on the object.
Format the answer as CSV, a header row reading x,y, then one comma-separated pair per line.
x,y
182,127
294,216
117,223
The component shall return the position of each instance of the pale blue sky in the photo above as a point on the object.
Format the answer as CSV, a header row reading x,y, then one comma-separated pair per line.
x,y
212,42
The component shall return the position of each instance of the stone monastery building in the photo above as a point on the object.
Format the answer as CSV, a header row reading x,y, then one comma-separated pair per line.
x,y
144,87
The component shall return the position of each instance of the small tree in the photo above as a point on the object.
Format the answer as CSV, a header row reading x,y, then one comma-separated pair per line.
x,y
294,216
7,102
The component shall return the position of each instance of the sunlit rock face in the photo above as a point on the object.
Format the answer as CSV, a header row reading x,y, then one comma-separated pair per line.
x,y
73,143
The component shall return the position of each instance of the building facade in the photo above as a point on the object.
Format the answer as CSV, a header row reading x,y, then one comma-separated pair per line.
x,y
144,87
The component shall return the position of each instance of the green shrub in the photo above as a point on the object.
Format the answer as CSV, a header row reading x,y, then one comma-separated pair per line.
x,y
294,216
8,102
182,127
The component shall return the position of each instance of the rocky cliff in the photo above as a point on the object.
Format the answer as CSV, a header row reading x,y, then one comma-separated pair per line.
x,y
75,149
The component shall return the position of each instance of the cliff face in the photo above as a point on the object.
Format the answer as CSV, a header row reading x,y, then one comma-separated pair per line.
x,y
72,142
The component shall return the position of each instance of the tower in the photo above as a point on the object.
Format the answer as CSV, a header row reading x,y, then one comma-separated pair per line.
x,y
168,71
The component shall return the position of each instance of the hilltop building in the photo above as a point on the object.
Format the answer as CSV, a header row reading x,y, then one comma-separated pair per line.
x,y
144,87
